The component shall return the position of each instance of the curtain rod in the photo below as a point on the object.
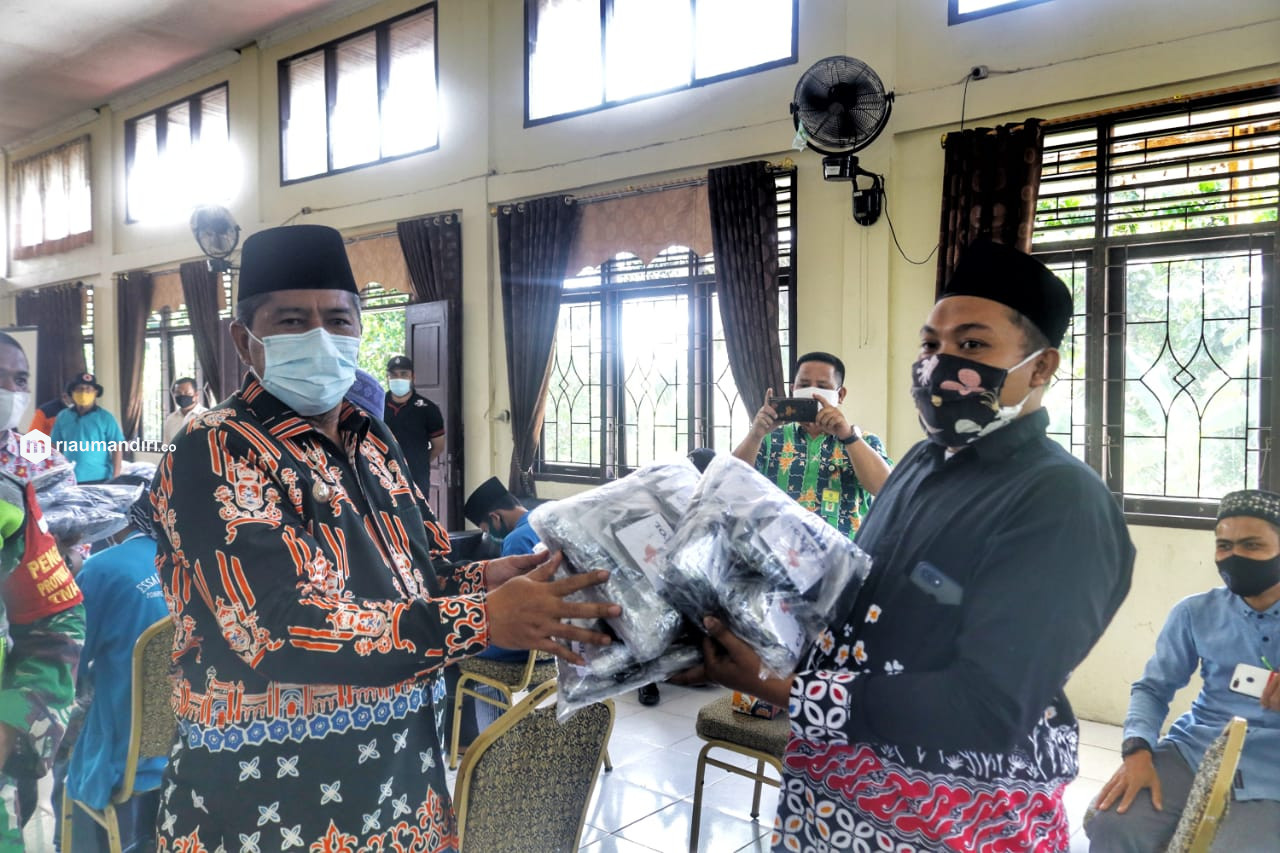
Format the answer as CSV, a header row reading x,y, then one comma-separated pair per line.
x,y
641,189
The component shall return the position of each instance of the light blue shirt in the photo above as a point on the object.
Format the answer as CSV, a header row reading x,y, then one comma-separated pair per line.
x,y
97,424
1215,630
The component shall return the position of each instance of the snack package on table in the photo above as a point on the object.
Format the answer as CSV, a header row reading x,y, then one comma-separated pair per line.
x,y
748,552
623,527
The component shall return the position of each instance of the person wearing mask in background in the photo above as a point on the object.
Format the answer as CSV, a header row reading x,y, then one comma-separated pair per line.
x,y
48,411
82,425
931,714
1211,632
300,569
828,466
122,598
186,398
416,422
41,621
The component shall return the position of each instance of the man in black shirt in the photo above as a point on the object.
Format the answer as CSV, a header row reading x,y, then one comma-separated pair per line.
x,y
415,421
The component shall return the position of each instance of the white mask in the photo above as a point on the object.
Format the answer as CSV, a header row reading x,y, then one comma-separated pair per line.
x,y
13,405
399,387
832,396
309,372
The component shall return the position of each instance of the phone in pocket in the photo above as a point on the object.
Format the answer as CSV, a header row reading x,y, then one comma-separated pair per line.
x,y
1249,680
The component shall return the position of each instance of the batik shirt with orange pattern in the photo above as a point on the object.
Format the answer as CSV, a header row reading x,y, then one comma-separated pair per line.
x,y
310,629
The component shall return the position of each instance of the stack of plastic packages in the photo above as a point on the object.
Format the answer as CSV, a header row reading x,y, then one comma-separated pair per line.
x,y
623,527
76,513
771,569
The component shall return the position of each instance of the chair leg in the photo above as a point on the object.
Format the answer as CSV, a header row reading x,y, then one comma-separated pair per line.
x,y
113,829
755,799
457,726
696,819
66,818
608,762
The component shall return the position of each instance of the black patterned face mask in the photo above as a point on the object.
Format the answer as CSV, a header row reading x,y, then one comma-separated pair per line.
x,y
958,399
1247,577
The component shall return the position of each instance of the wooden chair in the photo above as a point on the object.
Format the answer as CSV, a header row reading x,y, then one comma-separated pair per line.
x,y
755,737
152,728
526,781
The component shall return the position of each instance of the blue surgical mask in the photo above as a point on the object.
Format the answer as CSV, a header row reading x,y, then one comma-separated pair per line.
x,y
309,372
399,387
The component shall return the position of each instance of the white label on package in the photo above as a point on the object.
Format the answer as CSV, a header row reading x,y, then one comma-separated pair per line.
x,y
784,626
801,553
644,541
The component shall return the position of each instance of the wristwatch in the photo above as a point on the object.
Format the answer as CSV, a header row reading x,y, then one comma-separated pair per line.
x,y
1132,745
854,437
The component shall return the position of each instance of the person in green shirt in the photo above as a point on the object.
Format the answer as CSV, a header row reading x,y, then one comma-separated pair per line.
x,y
829,466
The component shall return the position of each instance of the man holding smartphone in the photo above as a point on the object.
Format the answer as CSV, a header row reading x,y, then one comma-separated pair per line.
x,y
805,444
1228,630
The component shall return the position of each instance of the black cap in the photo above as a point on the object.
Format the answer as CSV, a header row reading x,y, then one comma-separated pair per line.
x,y
1003,274
399,362
294,257
85,379
487,496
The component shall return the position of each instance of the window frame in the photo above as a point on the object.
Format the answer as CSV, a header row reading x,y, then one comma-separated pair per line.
x,y
382,62
1105,335
193,103
530,18
47,247
955,16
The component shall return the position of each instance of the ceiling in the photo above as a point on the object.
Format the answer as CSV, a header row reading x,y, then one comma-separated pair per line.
x,y
61,57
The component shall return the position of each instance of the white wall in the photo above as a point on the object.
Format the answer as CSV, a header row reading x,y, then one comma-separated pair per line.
x,y
857,296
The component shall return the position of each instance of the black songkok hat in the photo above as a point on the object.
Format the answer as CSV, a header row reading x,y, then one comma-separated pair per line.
x,y
1003,274
399,362
1251,502
294,257
484,500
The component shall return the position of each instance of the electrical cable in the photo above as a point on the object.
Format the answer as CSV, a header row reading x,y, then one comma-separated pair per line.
x,y
885,199
964,97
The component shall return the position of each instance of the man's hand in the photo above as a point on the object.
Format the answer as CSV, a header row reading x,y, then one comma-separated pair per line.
x,y
766,420
499,571
526,611
832,421
1271,693
731,662
1137,772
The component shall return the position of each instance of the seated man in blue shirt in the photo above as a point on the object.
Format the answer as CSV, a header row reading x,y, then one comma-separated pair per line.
x,y
123,596
88,434
1213,631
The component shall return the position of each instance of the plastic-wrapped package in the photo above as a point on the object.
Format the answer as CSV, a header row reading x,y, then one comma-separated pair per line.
x,y
579,686
624,526
772,569
87,513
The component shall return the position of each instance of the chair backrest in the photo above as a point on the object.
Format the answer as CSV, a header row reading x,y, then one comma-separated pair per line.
x,y
1210,793
153,724
525,783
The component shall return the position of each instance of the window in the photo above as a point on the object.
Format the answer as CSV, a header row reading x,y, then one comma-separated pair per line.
x,y
169,355
583,55
53,198
382,319
86,331
366,98
1164,223
640,371
959,11
178,157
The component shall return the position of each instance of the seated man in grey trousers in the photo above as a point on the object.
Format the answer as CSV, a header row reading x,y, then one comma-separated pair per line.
x,y
1215,631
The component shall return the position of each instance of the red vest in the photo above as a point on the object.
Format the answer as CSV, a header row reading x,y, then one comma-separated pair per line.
x,y
41,584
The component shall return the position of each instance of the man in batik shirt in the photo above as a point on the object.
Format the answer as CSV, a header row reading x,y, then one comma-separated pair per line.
x,y
828,466
931,715
296,558
42,617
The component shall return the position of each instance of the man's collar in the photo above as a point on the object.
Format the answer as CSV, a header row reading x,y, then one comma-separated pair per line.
x,y
276,416
1006,441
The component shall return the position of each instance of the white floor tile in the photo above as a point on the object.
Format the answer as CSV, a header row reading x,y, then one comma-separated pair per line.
x,y
617,803
1104,735
1097,763
668,830
614,844
658,727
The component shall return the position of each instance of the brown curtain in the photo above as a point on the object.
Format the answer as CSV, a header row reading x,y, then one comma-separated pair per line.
x,y
133,307
990,182
200,293
534,239
58,313
432,248
744,231
53,204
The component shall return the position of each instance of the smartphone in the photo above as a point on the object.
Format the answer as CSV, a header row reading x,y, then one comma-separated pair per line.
x,y
1249,680
802,410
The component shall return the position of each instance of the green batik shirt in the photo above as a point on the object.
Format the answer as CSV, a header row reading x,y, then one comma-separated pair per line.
x,y
818,474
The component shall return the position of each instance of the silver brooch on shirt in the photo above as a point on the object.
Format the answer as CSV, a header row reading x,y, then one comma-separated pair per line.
x,y
320,491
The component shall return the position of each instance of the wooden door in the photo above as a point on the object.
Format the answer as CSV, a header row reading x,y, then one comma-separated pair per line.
x,y
431,340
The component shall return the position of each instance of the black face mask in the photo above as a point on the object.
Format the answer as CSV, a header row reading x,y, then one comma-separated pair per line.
x,y
1246,577
184,400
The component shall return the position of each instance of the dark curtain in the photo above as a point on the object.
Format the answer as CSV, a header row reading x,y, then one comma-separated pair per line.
x,y
432,249
534,239
744,234
57,312
200,293
990,183
133,307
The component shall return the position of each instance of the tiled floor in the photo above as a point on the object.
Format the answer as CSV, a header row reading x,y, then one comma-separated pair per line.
x,y
646,802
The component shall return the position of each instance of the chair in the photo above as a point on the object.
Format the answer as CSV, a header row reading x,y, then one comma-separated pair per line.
x,y
507,678
152,727
755,737
526,781
1210,794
